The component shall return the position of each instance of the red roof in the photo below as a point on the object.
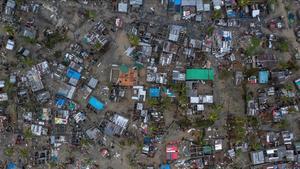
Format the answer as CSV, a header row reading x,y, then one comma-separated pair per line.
x,y
172,152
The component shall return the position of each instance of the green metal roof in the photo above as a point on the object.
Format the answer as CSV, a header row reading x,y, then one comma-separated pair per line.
x,y
124,68
199,74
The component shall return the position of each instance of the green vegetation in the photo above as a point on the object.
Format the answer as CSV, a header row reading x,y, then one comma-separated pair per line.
x,y
243,3
90,14
283,124
84,142
210,30
253,121
254,143
216,110
9,151
217,14
30,40
200,137
28,61
153,102
288,87
98,46
184,123
9,87
291,65
28,134
153,127
283,46
165,103
224,74
251,72
24,153
203,123
272,1
53,39
19,2
253,48
182,98
134,40
237,129
57,54
9,30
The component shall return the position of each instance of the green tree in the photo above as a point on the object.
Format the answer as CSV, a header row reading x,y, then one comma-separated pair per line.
x,y
283,46
224,74
184,122
98,46
53,39
90,14
210,30
203,123
217,14
24,153
28,134
243,3
166,103
134,40
153,102
253,48
9,30
9,151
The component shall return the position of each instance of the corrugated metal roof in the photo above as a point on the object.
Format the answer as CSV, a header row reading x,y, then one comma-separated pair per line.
x,y
188,3
199,74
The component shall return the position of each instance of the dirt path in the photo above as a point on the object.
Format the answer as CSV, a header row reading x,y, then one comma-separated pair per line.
x,y
288,32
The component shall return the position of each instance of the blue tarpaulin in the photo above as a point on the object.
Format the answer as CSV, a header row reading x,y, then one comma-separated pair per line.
x,y
73,74
96,104
60,102
263,77
154,92
11,165
165,166
177,2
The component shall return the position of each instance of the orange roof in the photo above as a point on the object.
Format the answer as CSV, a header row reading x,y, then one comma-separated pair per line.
x,y
128,79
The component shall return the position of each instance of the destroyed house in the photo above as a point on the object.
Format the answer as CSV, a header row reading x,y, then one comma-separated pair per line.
x,y
257,157
35,81
66,91
115,126
29,33
41,157
10,7
43,97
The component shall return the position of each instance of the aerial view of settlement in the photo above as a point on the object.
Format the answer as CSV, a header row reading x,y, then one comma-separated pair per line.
x,y
150,84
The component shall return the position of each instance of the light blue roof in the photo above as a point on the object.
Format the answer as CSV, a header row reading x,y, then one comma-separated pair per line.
x,y
96,104
263,77
73,74
154,92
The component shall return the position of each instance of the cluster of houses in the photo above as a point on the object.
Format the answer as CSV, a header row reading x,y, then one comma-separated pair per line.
x,y
170,65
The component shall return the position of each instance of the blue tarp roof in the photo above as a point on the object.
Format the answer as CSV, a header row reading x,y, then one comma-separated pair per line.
x,y
263,77
154,92
60,102
165,166
11,165
73,74
96,104
177,2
